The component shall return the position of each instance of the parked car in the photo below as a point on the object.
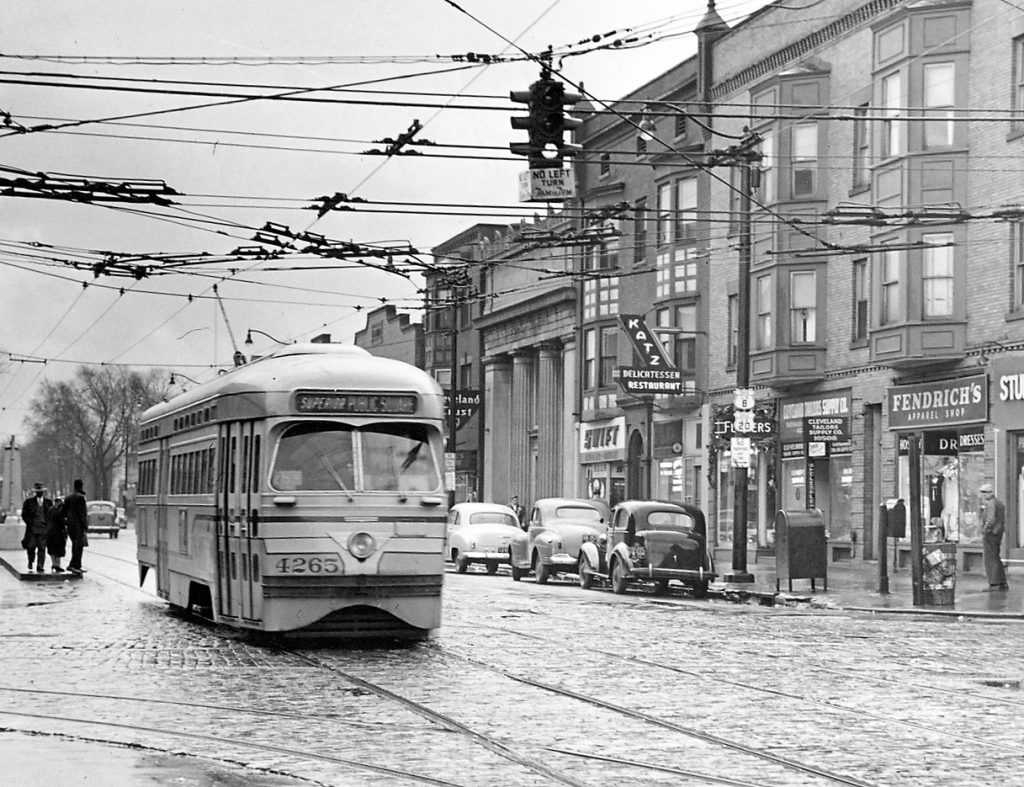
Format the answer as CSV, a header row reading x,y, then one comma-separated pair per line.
x,y
480,533
102,516
121,518
651,540
558,527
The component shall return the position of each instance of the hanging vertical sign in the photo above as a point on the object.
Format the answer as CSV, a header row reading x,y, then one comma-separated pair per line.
x,y
647,345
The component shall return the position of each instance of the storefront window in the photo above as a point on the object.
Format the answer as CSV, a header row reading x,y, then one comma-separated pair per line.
x,y
949,484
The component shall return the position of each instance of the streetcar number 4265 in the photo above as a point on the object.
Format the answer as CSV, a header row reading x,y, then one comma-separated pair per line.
x,y
319,564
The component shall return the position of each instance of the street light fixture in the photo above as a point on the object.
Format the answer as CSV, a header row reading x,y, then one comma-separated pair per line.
x,y
250,331
174,381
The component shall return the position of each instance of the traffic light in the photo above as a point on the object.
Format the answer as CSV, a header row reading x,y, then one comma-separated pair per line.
x,y
546,123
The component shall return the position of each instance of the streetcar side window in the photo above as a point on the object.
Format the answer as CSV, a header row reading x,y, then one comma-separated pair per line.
x,y
315,457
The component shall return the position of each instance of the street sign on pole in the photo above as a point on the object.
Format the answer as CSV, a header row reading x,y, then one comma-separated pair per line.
x,y
546,185
743,399
739,450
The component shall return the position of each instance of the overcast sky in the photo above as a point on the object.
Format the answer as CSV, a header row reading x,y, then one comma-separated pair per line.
x,y
244,163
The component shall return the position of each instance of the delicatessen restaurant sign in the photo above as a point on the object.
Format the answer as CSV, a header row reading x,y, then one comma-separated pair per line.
x,y
941,403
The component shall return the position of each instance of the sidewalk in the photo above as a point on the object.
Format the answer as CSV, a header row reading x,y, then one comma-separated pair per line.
x,y
16,561
853,585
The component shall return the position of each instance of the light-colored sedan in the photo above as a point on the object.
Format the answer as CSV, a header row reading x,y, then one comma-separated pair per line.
x,y
480,533
553,543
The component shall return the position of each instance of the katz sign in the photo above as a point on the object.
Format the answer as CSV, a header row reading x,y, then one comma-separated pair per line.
x,y
939,404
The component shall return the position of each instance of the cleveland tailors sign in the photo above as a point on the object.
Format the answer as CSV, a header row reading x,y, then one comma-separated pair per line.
x,y
942,403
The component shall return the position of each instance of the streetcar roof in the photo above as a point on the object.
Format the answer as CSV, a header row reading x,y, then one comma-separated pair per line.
x,y
313,366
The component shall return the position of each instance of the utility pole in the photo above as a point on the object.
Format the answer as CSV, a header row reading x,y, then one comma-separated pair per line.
x,y
456,280
745,156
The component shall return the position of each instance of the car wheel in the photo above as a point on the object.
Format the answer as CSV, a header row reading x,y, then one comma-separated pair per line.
x,y
492,566
542,572
661,587
699,589
113,534
461,564
586,578
517,573
619,580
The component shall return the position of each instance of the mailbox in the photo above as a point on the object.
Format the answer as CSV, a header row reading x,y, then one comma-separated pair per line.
x,y
801,549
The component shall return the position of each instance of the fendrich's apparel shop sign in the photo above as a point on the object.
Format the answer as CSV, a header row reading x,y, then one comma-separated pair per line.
x,y
963,400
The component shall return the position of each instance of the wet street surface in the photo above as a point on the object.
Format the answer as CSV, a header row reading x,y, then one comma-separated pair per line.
x,y
526,685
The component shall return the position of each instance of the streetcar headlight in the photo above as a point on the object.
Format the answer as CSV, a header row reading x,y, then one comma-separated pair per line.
x,y
361,545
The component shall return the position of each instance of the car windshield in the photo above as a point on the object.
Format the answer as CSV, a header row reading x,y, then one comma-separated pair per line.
x,y
492,517
669,520
322,457
578,512
100,508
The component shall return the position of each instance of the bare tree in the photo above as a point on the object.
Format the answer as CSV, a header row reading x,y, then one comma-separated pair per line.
x,y
85,427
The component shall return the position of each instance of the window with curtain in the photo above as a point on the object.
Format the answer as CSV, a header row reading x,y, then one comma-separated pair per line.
x,y
861,147
805,159
686,209
803,302
892,300
590,358
763,304
937,275
893,136
609,356
939,91
860,300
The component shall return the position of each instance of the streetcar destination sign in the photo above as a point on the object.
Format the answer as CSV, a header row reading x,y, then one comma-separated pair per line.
x,y
355,403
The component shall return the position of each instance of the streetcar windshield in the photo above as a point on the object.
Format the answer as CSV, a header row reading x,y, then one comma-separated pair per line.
x,y
315,457
321,457
397,457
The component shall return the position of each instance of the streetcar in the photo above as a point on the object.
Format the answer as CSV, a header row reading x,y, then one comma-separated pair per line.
x,y
300,494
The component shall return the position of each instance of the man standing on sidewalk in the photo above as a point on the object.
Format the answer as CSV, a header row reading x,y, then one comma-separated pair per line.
x,y
77,522
993,524
34,513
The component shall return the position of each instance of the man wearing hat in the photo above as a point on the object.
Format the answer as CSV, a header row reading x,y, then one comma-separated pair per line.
x,y
992,514
34,513
77,519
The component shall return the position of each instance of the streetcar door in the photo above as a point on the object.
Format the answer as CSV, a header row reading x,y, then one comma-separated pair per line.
x,y
163,482
248,507
227,523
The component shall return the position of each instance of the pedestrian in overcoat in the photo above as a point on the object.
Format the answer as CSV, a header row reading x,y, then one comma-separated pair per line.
x,y
77,518
56,535
993,524
34,512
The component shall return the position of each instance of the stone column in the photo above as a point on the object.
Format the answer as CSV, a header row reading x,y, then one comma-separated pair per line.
x,y
549,403
497,407
521,413
569,424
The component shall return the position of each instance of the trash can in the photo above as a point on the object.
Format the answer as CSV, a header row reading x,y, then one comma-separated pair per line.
x,y
938,574
801,550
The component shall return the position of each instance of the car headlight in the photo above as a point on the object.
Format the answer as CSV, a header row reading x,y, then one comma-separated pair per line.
x,y
361,545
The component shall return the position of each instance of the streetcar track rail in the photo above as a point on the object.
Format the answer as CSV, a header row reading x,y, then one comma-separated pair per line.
x,y
447,722
984,696
691,732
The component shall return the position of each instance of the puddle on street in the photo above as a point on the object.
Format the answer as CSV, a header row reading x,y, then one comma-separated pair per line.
x,y
47,759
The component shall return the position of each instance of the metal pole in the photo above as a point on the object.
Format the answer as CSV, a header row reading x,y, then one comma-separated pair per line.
x,y
914,515
739,522
883,569
650,447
